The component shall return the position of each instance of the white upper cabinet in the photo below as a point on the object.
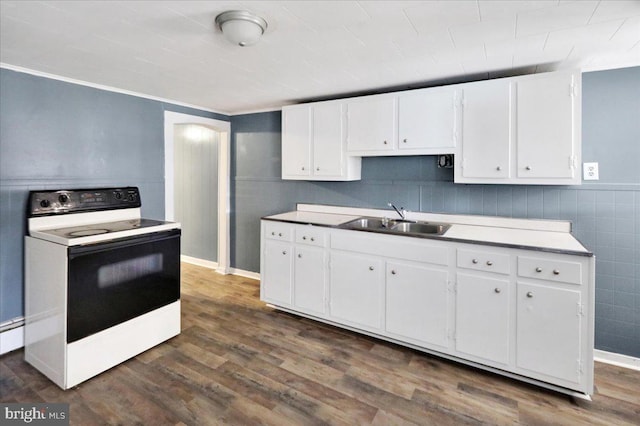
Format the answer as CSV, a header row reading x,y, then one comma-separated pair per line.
x,y
427,120
371,125
486,131
314,143
415,122
521,130
547,127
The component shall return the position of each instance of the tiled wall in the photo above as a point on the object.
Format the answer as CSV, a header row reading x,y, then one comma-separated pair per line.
x,y
60,135
605,214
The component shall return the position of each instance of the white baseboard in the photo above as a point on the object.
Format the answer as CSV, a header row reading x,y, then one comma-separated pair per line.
x,y
11,340
618,360
200,262
246,274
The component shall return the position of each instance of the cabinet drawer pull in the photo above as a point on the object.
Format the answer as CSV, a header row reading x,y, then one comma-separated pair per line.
x,y
273,233
404,140
528,167
284,252
538,269
302,167
304,237
313,239
529,294
385,142
393,272
556,272
498,168
279,234
299,255
318,168
497,290
489,263
371,268
474,261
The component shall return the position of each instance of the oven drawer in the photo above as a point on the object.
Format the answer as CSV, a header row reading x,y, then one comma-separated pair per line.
x,y
113,282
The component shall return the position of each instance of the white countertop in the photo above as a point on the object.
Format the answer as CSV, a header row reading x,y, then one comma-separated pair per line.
x,y
505,233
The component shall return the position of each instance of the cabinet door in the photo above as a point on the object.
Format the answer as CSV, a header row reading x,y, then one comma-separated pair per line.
x,y
483,317
486,130
277,274
356,289
426,119
309,273
296,141
546,126
416,302
549,331
328,140
371,124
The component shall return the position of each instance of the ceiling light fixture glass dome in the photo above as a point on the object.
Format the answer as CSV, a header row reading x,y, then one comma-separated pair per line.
x,y
241,27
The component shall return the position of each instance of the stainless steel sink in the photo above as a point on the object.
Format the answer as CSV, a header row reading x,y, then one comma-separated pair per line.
x,y
420,228
392,226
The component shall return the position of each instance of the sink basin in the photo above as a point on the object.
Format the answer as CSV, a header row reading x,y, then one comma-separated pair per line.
x,y
393,226
420,228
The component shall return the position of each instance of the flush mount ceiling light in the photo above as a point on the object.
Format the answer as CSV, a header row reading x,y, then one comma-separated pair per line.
x,y
241,27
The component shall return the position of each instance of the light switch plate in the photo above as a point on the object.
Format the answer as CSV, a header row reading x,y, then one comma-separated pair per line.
x,y
591,171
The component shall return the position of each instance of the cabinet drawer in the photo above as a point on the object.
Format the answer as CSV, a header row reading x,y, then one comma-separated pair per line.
x,y
310,235
484,261
550,269
279,231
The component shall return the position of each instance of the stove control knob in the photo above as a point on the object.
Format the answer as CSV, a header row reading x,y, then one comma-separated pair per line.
x,y
132,197
118,195
63,198
45,203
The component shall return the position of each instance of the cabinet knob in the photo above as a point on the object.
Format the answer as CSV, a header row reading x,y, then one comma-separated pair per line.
x,y
284,252
302,167
393,272
497,290
279,234
404,140
538,269
318,168
556,272
273,233
529,294
385,142
489,263
313,239
304,237
528,167
498,168
371,268
299,255
474,261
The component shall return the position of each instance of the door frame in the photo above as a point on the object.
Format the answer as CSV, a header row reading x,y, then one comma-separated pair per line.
x,y
224,165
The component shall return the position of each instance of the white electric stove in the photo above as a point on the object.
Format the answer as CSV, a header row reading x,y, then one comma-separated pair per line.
x,y
102,284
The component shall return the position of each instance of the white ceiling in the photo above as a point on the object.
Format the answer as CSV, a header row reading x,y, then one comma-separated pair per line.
x,y
311,49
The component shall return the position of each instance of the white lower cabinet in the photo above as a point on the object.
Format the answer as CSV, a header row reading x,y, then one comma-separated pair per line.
x,y
309,279
483,317
417,301
277,273
549,323
524,313
356,289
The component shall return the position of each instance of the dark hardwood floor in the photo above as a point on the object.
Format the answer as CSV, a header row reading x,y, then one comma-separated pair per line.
x,y
239,362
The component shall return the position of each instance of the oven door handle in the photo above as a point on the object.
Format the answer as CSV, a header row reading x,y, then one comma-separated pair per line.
x,y
82,250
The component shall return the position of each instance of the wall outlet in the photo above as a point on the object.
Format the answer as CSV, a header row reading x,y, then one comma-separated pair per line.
x,y
591,171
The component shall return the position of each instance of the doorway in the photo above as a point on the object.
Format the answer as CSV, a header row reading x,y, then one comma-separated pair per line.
x,y
197,187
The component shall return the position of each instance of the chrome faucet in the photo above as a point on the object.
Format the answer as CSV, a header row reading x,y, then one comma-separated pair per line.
x,y
402,212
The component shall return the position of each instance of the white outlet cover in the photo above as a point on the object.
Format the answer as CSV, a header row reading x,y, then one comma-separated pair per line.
x,y
590,171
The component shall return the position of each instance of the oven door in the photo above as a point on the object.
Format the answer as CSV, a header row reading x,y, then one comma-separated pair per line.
x,y
115,281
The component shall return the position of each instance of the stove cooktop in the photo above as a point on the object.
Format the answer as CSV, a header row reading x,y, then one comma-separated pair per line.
x,y
104,228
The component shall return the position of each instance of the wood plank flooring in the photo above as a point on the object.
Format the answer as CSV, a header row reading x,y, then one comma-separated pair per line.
x,y
239,362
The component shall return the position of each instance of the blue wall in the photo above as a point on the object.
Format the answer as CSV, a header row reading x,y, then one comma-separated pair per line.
x,y
605,215
61,135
